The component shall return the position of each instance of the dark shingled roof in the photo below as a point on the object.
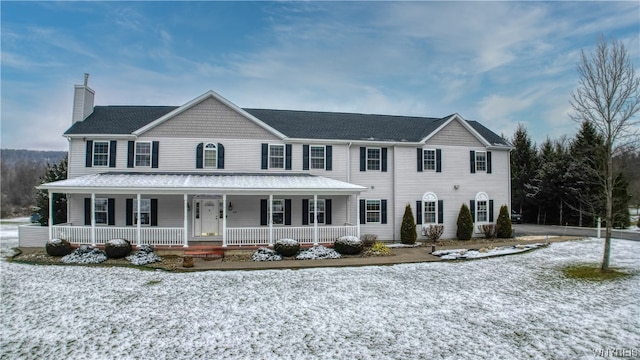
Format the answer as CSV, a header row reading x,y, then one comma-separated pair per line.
x,y
292,123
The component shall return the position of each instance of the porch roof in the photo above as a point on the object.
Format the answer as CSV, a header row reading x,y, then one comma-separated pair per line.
x,y
203,183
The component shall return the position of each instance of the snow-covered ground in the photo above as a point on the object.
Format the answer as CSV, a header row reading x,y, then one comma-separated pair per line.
x,y
508,307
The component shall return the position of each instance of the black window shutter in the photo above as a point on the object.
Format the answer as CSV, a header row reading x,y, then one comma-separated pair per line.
x,y
154,212
472,208
490,210
265,156
329,158
363,212
199,156
419,159
384,159
363,158
488,162
129,213
419,211
131,148
438,160
287,157
472,161
154,154
287,211
263,211
89,154
383,211
305,157
327,211
220,156
87,211
111,215
440,211
112,153
305,211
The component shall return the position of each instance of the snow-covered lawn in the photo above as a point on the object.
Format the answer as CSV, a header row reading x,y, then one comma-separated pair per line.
x,y
509,307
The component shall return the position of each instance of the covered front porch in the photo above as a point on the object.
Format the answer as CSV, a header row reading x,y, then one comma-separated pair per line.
x,y
221,209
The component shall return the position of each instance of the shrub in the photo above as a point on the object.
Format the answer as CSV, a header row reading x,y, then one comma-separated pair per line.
x,y
143,256
489,230
287,247
433,232
503,224
85,255
368,240
379,249
318,252
348,245
465,223
265,254
58,247
408,234
117,248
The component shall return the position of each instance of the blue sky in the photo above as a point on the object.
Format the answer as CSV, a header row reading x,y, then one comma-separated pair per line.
x,y
501,63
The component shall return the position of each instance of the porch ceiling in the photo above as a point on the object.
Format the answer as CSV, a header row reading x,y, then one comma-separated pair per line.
x,y
199,183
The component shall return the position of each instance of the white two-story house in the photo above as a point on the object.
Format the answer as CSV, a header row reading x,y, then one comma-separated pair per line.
x,y
211,171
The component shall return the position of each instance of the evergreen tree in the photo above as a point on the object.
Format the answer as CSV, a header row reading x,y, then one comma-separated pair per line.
x,y
408,234
54,172
503,223
524,163
465,223
621,202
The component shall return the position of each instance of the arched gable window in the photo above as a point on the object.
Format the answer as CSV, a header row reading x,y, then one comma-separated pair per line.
x,y
210,155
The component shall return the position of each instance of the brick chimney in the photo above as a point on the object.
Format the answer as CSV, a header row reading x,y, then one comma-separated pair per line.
x,y
82,101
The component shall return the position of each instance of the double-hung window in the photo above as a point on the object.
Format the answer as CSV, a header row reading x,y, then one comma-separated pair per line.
x,y
276,156
143,153
373,211
317,157
430,212
100,153
482,213
101,211
210,155
321,211
373,158
145,212
277,212
481,161
429,159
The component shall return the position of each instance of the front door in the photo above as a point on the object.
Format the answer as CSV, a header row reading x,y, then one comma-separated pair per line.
x,y
206,217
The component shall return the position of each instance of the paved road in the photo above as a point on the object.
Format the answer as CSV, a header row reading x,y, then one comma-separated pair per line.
x,y
529,229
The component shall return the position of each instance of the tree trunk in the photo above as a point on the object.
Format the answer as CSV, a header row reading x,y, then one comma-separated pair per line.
x,y
609,208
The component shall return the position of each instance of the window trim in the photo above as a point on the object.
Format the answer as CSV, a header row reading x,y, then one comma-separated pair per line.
x,y
478,161
367,211
134,212
136,154
424,160
105,211
379,159
271,157
484,198
324,157
323,212
271,212
108,153
205,150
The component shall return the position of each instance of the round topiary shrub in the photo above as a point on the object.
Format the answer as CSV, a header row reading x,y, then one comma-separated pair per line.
x,y
117,248
287,247
348,245
58,247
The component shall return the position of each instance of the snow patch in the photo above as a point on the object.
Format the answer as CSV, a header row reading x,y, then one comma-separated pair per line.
x,y
318,252
286,241
145,255
456,254
266,254
85,255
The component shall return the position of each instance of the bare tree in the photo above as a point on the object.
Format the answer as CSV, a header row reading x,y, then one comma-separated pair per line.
x,y
607,97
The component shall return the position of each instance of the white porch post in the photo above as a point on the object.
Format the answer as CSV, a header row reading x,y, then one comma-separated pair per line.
x,y
270,219
186,219
224,220
50,215
93,218
315,219
358,215
138,231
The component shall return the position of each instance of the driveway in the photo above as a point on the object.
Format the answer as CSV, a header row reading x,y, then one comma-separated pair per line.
x,y
531,229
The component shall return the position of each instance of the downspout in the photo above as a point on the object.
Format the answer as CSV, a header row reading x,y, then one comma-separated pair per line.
x,y
349,181
393,186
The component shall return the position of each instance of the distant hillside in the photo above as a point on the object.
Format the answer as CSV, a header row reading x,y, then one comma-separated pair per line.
x,y
20,172
12,156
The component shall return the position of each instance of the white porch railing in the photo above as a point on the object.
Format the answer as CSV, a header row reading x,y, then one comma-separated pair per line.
x,y
303,234
148,235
